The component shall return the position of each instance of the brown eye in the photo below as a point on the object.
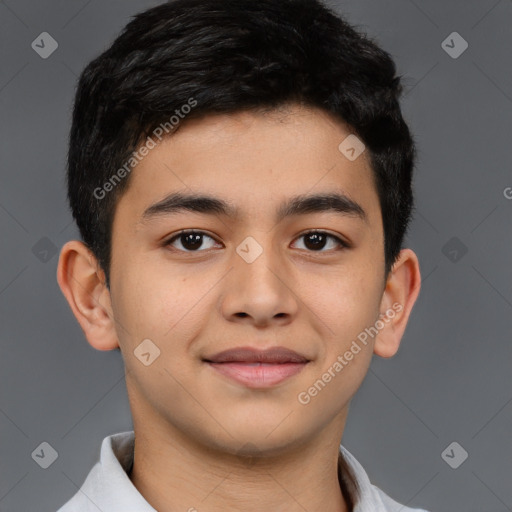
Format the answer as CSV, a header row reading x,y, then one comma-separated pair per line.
x,y
191,241
317,240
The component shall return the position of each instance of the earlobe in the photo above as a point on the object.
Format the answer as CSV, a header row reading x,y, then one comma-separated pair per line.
x,y
80,280
402,289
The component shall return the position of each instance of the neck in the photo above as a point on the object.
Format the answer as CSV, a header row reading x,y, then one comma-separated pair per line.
x,y
173,473
175,468
213,485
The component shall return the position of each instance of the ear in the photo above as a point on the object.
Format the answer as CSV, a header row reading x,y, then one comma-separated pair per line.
x,y
82,282
402,289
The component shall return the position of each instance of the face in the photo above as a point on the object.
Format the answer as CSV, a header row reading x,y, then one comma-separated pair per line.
x,y
310,280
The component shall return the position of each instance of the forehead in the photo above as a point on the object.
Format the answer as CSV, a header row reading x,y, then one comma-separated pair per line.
x,y
249,161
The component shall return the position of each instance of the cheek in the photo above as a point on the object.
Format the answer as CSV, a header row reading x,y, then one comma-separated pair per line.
x,y
163,305
147,297
158,314
346,301
346,308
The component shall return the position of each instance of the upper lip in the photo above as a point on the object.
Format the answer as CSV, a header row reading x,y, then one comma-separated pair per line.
x,y
252,355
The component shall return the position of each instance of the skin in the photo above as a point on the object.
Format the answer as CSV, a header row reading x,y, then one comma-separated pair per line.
x,y
203,441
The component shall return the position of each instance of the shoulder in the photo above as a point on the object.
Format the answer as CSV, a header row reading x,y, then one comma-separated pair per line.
x,y
108,486
83,500
390,505
369,496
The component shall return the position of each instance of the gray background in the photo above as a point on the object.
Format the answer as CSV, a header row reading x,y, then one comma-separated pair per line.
x,y
450,380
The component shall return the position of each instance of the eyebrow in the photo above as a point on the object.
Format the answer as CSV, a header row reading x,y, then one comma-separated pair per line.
x,y
179,202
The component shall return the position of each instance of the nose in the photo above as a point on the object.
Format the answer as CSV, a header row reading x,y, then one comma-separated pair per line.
x,y
260,291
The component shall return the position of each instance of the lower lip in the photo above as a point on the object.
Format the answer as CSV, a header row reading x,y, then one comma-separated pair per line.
x,y
260,375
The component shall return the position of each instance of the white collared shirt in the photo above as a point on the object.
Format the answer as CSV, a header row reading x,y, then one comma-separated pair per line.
x,y
108,487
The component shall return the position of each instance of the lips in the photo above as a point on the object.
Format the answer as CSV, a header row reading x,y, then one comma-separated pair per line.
x,y
274,355
257,368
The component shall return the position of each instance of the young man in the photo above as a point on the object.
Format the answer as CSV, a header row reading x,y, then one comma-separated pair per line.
x,y
240,173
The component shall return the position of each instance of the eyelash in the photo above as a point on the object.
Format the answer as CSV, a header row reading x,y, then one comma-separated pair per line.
x,y
342,243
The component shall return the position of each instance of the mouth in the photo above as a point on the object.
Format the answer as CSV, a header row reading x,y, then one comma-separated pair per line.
x,y
255,368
